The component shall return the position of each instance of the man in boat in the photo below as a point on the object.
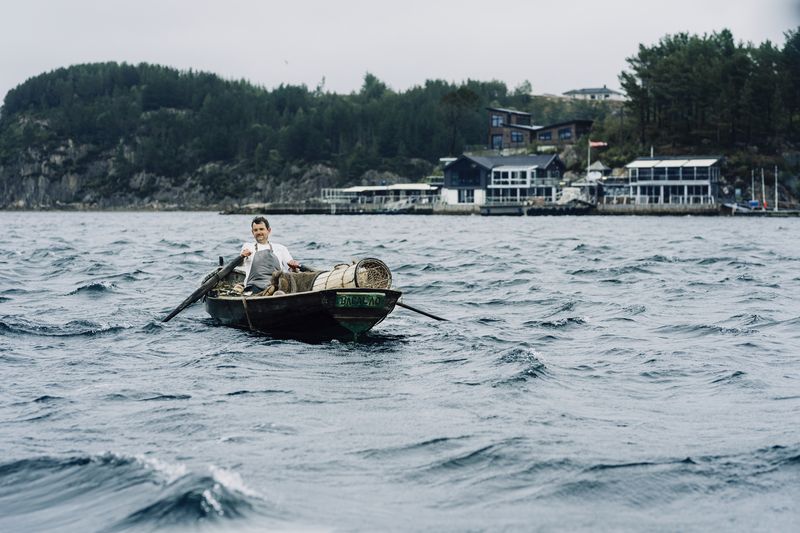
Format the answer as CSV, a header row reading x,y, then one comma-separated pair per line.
x,y
262,257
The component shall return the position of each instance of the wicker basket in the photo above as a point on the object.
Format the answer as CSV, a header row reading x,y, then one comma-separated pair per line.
x,y
367,273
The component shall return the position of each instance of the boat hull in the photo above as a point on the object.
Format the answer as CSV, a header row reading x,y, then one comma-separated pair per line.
x,y
316,315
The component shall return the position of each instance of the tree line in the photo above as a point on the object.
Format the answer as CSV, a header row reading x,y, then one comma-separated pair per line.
x,y
711,91
175,121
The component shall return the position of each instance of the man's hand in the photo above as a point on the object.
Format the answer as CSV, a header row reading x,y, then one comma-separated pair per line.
x,y
246,252
294,265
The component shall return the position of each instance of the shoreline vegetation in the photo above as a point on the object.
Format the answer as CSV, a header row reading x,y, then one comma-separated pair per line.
x,y
120,136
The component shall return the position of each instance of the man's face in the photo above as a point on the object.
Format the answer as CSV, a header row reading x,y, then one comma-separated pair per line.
x,y
261,233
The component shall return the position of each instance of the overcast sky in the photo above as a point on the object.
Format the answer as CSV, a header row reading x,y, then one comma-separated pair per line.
x,y
556,45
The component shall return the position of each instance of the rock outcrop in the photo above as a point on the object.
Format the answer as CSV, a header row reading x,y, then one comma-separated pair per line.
x,y
72,176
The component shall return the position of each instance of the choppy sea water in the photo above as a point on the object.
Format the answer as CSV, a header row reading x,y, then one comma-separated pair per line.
x,y
596,373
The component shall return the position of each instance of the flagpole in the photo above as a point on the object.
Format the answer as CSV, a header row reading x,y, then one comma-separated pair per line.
x,y
763,191
776,188
588,159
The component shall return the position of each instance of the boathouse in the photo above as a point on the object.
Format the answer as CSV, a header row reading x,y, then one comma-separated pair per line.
x,y
417,193
674,180
481,180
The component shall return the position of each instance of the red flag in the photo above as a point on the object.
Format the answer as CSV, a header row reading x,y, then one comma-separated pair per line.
x,y
597,144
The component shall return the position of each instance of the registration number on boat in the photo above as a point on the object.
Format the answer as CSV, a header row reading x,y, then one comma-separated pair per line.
x,y
359,299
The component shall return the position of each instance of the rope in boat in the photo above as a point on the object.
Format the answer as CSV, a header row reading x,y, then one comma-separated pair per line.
x,y
246,313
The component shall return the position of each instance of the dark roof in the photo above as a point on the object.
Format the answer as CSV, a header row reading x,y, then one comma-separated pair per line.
x,y
599,90
522,127
568,122
598,165
503,110
489,162
677,157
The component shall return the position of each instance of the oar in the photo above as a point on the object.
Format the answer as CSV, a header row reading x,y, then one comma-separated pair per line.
x,y
205,287
420,311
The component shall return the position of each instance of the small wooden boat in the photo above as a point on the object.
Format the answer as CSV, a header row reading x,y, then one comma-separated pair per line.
x,y
340,313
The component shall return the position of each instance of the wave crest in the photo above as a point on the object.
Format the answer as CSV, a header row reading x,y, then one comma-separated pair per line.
x,y
118,493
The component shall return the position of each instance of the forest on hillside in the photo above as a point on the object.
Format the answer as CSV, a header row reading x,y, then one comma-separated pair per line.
x,y
686,94
711,93
176,121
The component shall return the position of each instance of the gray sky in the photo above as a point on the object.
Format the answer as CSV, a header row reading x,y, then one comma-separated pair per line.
x,y
557,45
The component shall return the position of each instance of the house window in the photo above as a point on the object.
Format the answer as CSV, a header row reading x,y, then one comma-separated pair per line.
x,y
516,137
497,142
466,196
519,177
546,136
565,133
497,121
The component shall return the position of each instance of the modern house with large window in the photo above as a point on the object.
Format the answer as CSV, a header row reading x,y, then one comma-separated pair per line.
x,y
563,132
479,180
509,128
674,180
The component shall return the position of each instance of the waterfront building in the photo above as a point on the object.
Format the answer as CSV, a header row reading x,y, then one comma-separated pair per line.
x,y
598,170
674,180
481,180
383,195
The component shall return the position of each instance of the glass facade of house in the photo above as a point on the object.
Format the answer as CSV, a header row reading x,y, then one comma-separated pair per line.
x,y
674,181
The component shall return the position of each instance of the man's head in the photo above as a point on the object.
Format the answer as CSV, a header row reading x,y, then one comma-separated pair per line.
x,y
261,230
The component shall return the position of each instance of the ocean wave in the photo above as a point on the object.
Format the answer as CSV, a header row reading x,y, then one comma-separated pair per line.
x,y
144,396
491,457
118,493
525,363
659,259
658,481
714,260
257,392
616,270
751,319
73,328
165,397
154,326
414,449
94,288
560,323
16,291
700,330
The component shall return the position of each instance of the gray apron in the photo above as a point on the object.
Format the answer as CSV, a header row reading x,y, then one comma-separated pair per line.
x,y
264,264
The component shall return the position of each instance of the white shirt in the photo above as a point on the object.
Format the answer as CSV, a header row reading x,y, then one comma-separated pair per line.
x,y
280,251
